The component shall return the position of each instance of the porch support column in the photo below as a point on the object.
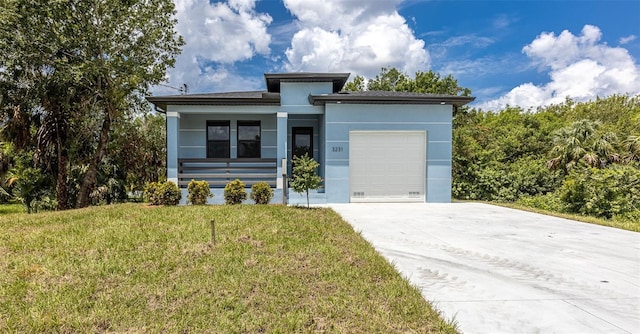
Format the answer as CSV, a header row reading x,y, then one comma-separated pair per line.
x,y
173,135
282,145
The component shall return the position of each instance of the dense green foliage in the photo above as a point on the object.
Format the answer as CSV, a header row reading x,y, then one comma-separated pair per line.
x,y
390,79
31,188
163,193
573,157
610,192
304,175
503,155
73,78
261,193
198,192
234,192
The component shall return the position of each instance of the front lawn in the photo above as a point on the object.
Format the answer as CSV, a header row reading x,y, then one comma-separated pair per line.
x,y
133,268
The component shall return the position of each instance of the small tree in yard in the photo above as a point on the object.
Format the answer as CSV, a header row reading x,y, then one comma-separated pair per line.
x,y
304,175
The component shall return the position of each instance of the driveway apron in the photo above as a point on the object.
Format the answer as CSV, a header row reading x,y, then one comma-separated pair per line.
x,y
499,270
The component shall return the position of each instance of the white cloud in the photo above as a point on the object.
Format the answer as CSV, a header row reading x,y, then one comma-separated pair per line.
x,y
353,36
503,21
330,35
483,66
466,40
217,35
223,32
580,67
627,39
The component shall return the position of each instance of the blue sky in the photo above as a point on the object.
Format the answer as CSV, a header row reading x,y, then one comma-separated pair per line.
x,y
526,53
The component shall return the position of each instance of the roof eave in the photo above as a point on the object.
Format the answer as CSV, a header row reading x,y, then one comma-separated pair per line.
x,y
457,101
162,102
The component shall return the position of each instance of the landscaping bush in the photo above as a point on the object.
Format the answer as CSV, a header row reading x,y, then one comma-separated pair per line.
x,y
151,193
163,193
261,193
199,191
234,192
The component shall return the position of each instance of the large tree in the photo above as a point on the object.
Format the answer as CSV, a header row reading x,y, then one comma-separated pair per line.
x,y
82,64
391,79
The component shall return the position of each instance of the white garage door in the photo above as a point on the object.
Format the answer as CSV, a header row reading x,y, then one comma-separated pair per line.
x,y
387,166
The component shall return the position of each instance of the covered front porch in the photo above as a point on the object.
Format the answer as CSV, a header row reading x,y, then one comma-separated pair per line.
x,y
250,146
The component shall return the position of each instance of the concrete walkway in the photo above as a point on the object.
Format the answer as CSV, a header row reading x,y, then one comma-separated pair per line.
x,y
498,270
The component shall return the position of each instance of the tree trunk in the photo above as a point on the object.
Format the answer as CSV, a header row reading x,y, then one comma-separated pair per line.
x,y
307,198
62,191
91,176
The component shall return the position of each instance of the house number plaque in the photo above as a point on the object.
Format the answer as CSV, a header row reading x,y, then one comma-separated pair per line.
x,y
336,149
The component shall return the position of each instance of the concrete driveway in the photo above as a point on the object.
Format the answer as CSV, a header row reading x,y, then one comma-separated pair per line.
x,y
498,270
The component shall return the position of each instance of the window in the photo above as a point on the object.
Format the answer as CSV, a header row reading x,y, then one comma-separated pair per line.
x,y
249,139
218,139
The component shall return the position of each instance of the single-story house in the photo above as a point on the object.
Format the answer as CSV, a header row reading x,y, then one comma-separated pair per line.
x,y
372,146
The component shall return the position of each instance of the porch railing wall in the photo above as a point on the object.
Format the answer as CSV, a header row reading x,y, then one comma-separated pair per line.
x,y
218,172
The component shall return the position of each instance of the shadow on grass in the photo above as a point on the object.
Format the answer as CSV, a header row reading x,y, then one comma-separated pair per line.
x,y
304,207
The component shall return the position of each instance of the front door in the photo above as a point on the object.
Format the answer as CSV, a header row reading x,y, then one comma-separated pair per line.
x,y
302,141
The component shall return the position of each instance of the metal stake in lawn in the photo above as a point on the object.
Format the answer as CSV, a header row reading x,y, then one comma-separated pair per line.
x,y
213,232
284,181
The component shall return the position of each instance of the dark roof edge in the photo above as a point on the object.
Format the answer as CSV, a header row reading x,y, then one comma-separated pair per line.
x,y
307,75
161,102
457,101
273,80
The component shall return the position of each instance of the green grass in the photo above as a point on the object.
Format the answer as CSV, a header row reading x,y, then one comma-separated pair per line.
x,y
624,225
132,268
6,209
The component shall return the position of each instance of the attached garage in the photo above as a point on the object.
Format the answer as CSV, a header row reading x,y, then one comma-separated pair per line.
x,y
387,166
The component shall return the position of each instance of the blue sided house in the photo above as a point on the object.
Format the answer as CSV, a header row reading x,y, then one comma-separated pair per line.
x,y
372,146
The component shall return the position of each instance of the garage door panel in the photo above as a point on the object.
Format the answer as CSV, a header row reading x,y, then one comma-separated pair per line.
x,y
387,166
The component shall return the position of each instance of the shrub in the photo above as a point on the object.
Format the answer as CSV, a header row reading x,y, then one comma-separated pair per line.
x,y
45,203
630,217
111,192
151,193
548,202
170,193
163,193
234,192
30,186
198,192
261,193
603,193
